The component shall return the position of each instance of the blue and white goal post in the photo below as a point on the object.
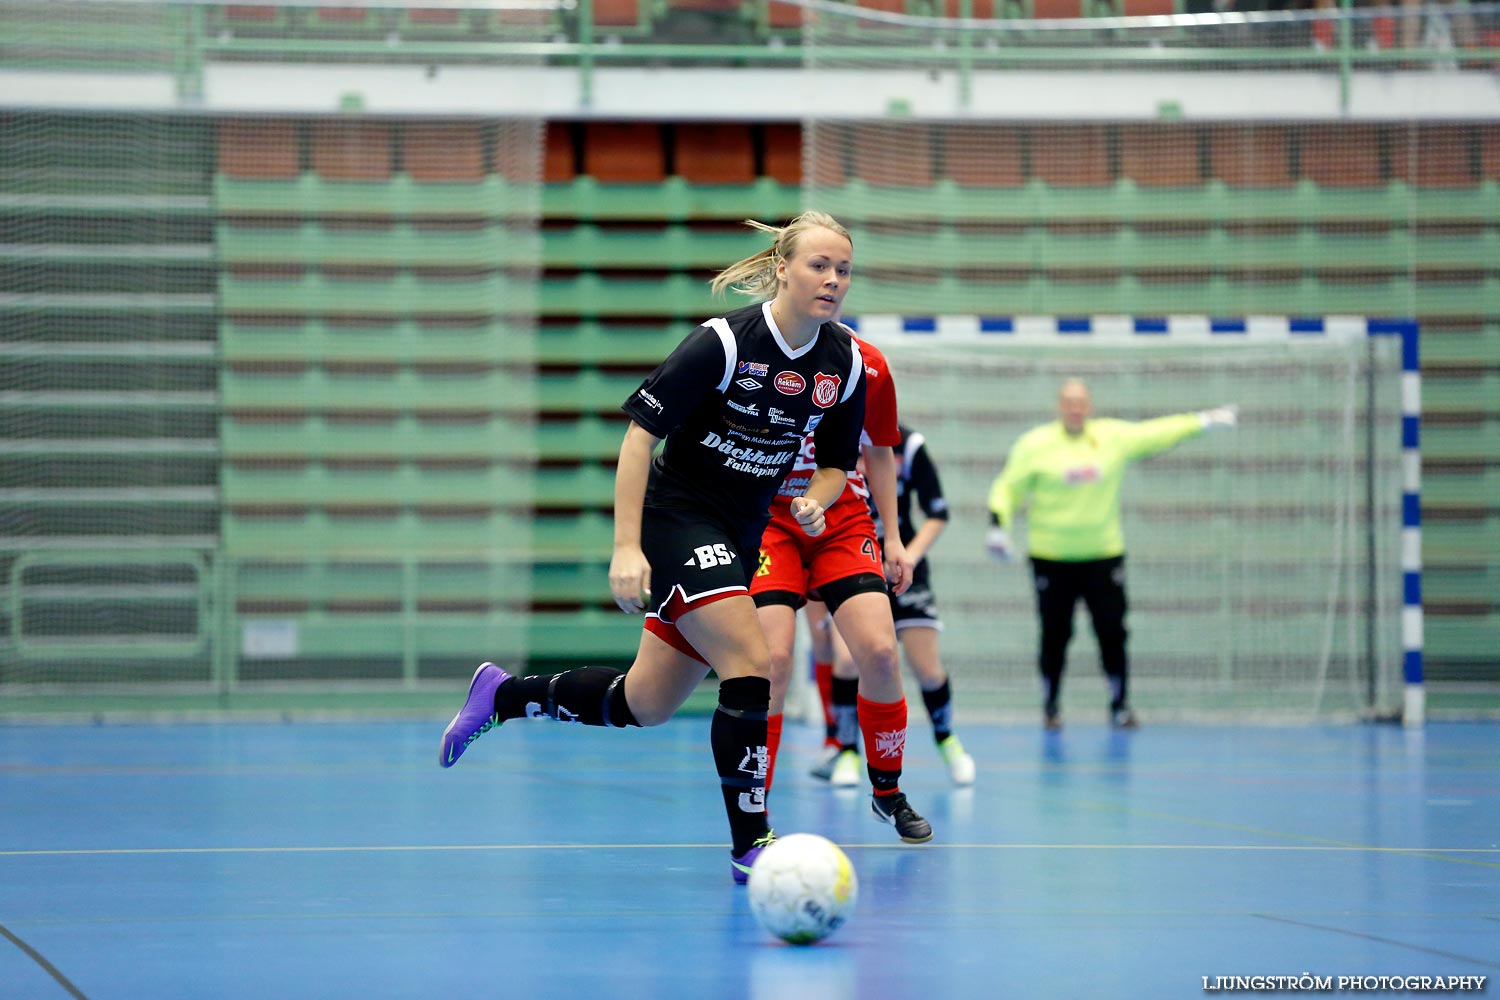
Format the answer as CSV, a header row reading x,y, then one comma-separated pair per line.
x,y
1263,560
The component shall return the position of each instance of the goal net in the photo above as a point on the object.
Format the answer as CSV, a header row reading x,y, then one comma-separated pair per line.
x,y
1263,562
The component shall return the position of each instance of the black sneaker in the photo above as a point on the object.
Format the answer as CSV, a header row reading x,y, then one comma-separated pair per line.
x,y
895,810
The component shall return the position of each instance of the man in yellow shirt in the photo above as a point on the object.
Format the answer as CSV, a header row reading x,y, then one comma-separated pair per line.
x,y
1068,472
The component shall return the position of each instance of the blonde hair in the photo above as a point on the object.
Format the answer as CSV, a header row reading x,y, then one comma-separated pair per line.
x,y
755,276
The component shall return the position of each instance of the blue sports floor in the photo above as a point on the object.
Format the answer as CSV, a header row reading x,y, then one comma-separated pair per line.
x,y
306,860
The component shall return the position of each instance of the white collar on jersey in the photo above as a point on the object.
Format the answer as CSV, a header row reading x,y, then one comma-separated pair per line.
x,y
787,349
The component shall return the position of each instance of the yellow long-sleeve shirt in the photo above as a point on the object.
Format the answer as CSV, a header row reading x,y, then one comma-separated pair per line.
x,y
1072,483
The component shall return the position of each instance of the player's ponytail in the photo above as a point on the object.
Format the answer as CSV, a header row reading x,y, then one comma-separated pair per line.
x,y
755,276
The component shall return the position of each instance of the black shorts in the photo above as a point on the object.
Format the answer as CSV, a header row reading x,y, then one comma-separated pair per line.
x,y
695,558
917,608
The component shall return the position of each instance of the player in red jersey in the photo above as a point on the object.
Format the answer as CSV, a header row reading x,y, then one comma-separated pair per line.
x,y
844,567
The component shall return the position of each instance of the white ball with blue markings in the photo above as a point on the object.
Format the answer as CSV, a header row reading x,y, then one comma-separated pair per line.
x,y
802,888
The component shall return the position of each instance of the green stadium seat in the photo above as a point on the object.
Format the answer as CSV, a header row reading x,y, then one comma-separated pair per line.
x,y
675,246
400,294
458,245
262,431
332,481
309,533
358,388
606,342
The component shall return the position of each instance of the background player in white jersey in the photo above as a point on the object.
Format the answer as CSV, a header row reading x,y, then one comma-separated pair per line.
x,y
732,403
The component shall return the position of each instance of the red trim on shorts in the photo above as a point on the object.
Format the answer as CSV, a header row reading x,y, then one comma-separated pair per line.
x,y
662,623
667,633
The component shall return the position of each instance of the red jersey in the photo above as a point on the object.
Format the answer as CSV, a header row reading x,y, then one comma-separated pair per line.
x,y
881,429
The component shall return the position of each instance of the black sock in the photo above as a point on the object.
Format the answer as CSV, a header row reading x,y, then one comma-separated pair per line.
x,y
738,737
590,696
845,701
940,709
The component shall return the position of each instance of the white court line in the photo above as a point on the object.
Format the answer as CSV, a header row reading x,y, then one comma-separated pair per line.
x,y
1336,848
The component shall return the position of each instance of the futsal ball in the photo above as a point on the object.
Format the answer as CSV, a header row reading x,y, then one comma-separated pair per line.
x,y
802,887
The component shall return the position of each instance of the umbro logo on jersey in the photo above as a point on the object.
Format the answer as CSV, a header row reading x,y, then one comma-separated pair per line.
x,y
748,384
754,368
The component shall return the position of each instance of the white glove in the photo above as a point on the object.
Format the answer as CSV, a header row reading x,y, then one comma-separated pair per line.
x,y
1220,416
999,544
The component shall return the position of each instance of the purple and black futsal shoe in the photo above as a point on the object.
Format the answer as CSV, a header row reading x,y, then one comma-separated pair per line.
x,y
477,717
740,866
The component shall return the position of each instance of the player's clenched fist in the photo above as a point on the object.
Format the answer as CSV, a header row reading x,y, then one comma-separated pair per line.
x,y
809,514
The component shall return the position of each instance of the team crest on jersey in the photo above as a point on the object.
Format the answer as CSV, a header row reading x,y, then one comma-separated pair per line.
x,y
754,368
825,389
790,383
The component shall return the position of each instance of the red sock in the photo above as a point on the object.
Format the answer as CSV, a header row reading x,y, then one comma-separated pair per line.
x,y
773,744
823,677
884,727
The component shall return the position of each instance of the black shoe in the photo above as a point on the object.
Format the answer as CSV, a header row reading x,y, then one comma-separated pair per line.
x,y
895,810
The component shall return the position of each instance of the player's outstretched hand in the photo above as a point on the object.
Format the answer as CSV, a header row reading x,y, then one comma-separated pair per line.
x,y
999,545
630,579
1220,416
809,514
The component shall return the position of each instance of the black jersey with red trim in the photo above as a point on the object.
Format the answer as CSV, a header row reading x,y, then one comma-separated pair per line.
x,y
733,402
